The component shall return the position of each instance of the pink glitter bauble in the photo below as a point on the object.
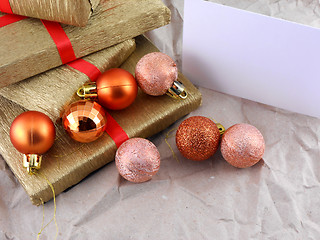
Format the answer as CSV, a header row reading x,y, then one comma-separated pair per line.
x,y
156,73
242,145
137,160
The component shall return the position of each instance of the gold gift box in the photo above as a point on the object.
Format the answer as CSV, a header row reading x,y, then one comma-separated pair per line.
x,y
50,91
68,162
26,45
73,12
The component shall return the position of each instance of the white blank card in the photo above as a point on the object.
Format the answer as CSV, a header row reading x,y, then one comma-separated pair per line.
x,y
249,55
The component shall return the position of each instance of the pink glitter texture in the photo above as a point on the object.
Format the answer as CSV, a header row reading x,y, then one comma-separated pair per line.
x,y
137,160
242,145
156,73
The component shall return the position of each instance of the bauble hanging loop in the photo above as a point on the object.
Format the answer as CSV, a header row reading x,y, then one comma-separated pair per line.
x,y
177,91
89,90
115,89
221,128
157,74
32,133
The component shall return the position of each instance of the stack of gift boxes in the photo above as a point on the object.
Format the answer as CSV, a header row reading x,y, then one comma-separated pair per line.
x,y
53,49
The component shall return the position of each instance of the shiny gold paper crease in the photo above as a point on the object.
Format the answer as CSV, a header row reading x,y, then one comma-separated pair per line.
x,y
73,12
68,162
26,45
50,91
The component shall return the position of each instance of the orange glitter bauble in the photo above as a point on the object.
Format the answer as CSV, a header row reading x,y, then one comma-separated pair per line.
x,y
32,132
197,138
116,89
85,121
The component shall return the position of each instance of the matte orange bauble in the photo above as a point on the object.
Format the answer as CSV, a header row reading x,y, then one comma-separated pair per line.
x,y
115,89
84,120
32,133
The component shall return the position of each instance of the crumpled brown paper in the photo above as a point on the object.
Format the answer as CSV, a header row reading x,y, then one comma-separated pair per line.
x,y
276,199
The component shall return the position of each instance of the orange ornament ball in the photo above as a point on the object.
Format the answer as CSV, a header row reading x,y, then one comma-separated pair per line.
x,y
197,138
32,132
116,89
84,121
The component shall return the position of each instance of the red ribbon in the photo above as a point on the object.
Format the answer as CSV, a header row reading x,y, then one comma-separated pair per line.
x,y
116,132
10,18
87,68
5,6
61,40
66,52
56,32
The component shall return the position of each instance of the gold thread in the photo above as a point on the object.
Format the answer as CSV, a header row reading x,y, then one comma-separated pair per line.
x,y
166,140
213,120
54,212
39,233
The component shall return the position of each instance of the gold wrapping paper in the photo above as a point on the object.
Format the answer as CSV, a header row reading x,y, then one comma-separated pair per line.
x,y
68,162
50,91
27,46
73,12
